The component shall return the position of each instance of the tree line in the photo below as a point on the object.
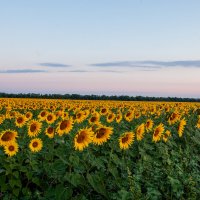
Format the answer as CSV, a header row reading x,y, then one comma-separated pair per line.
x,y
97,97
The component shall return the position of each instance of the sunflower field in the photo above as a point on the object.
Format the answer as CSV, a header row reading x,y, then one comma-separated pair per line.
x,y
70,149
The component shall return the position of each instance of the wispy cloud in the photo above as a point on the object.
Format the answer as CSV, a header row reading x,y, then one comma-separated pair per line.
x,y
111,71
17,71
150,64
81,71
75,71
90,71
50,64
181,63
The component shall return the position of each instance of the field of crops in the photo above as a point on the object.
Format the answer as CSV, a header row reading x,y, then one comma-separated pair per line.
x,y
65,149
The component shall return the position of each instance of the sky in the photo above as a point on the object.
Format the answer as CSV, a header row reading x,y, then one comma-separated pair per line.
x,y
110,47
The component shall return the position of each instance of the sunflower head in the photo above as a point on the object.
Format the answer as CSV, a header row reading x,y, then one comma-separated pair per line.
x,y
181,127
126,140
166,135
64,127
149,125
94,119
50,132
129,116
20,120
11,148
50,118
118,117
158,131
29,115
174,117
7,136
34,128
102,134
82,139
103,111
42,115
110,117
80,116
140,131
36,145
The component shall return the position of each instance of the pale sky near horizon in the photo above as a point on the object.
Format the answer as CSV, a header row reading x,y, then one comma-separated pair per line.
x,y
111,47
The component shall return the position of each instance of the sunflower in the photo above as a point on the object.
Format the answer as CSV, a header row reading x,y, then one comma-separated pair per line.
x,y
80,116
118,117
7,136
174,117
110,118
158,132
29,115
59,113
102,134
137,115
65,115
34,128
140,132
86,113
129,116
94,119
11,114
11,148
149,125
35,145
20,120
126,140
103,111
166,135
50,118
93,111
83,138
181,127
50,132
65,126
42,115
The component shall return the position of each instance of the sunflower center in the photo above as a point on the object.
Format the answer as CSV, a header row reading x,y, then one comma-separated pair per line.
x,y
27,115
103,110
12,114
35,144
156,132
49,118
128,114
50,130
81,137
173,116
43,114
64,124
33,127
11,148
110,117
93,119
101,133
125,139
78,115
139,131
19,120
7,136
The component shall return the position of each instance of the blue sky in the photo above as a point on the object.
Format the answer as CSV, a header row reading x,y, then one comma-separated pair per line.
x,y
134,47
